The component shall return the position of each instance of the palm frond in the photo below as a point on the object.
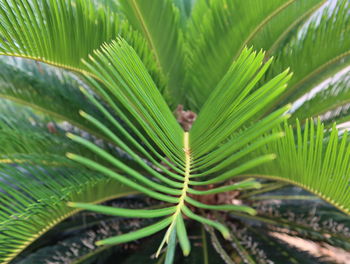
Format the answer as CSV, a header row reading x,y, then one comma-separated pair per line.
x,y
279,28
45,89
331,103
22,133
33,200
313,54
159,23
132,95
47,36
37,180
213,27
64,42
26,137
314,160
78,246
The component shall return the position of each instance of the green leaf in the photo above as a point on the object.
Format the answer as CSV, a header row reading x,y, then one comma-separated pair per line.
x,y
330,103
182,236
132,95
313,54
46,90
25,136
159,23
143,232
128,76
133,213
279,28
63,32
314,160
235,104
166,53
212,28
33,200
170,251
49,26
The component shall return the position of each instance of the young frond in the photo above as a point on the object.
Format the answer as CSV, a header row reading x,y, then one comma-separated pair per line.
x,y
132,95
70,141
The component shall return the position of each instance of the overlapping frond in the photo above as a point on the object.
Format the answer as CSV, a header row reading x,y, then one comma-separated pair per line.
x,y
314,160
219,30
136,67
26,137
280,27
33,200
63,32
49,38
317,51
160,24
81,233
331,103
171,157
44,89
24,134
37,180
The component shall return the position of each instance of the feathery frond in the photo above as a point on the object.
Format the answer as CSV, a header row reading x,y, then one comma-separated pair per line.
x,y
33,200
218,34
159,23
44,89
312,159
317,52
282,26
78,244
132,63
63,32
139,103
331,103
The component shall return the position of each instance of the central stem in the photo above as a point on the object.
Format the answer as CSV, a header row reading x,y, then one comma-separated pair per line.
x,y
182,198
186,174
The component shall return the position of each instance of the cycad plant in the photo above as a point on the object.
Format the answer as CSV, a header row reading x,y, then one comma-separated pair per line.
x,y
177,116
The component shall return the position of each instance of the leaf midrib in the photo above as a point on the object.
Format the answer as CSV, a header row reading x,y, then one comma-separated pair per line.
x,y
180,205
187,172
296,22
315,72
146,32
261,25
